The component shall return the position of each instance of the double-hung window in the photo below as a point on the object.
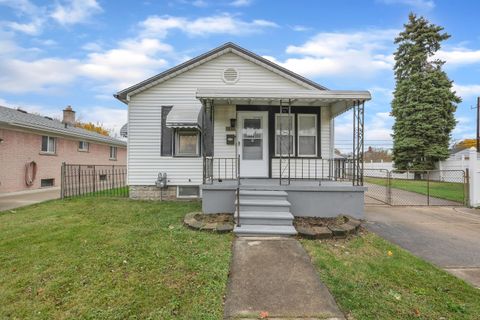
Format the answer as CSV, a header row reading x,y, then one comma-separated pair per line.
x,y
48,144
307,135
82,146
284,134
113,153
187,143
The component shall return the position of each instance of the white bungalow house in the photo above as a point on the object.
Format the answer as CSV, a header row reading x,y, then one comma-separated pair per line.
x,y
248,137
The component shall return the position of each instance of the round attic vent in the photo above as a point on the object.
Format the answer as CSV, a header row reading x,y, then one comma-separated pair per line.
x,y
230,75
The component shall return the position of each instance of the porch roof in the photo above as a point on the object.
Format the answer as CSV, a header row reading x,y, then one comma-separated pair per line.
x,y
339,100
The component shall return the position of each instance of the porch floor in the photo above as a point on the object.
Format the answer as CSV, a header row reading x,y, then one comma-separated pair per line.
x,y
274,184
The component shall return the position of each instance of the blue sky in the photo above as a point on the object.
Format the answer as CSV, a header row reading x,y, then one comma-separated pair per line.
x,y
74,52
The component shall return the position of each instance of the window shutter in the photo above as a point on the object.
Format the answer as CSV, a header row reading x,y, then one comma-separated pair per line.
x,y
167,133
208,135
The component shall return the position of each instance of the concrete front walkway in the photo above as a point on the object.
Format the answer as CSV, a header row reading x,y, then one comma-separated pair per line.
x,y
275,275
20,199
446,236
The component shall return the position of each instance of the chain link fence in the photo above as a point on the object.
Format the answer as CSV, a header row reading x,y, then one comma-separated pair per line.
x,y
416,188
93,180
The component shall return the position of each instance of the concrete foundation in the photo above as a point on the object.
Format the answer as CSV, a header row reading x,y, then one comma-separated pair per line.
x,y
153,193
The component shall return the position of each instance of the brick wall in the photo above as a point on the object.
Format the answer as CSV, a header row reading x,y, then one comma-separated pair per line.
x,y
19,148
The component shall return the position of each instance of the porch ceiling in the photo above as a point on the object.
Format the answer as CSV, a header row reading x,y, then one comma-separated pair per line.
x,y
339,100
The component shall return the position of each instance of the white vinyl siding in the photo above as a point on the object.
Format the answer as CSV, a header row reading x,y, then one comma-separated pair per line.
x,y
325,120
144,160
222,116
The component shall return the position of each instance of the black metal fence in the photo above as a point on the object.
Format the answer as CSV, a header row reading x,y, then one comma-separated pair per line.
x,y
416,188
94,180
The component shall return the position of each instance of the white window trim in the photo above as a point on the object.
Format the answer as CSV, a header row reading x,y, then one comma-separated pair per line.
x,y
48,144
177,140
300,115
84,143
292,115
189,197
115,153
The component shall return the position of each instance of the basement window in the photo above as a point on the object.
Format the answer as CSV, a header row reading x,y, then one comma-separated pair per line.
x,y
47,183
188,192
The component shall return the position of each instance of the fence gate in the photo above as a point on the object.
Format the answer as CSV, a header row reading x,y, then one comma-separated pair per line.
x,y
416,188
93,180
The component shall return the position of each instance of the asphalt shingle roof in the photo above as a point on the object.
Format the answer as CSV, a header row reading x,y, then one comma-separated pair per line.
x,y
21,119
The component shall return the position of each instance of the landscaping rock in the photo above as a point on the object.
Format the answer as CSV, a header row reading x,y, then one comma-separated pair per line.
x,y
306,232
338,232
209,222
349,228
322,233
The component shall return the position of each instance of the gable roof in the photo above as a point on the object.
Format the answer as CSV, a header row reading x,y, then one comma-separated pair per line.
x,y
227,47
21,119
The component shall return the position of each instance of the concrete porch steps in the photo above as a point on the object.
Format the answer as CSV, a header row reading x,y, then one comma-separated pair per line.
x,y
264,213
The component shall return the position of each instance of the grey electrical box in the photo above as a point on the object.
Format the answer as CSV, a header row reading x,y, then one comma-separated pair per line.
x,y
230,139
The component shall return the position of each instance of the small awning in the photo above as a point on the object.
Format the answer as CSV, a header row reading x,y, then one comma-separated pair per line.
x,y
184,117
339,100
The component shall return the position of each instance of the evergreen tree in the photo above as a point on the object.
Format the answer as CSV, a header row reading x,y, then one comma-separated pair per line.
x,y
424,102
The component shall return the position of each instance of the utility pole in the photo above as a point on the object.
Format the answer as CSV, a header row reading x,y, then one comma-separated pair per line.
x,y
478,124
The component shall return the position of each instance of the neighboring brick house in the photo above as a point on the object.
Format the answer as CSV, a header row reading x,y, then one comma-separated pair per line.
x,y
26,137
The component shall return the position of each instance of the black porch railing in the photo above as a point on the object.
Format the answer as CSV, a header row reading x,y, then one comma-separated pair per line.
x,y
93,180
222,169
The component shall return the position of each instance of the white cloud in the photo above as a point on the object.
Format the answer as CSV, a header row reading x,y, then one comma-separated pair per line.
x,y
110,118
200,3
459,56
359,54
75,11
131,62
467,91
419,4
300,28
26,76
159,26
23,6
31,28
241,3
25,9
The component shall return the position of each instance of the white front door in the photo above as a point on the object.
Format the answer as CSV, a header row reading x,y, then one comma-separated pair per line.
x,y
252,133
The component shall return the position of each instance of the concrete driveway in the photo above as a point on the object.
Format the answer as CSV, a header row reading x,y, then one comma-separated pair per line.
x,y
446,236
20,199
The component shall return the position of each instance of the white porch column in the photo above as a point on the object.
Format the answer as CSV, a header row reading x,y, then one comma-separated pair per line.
x,y
474,178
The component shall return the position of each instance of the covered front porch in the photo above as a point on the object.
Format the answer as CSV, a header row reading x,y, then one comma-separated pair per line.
x,y
271,154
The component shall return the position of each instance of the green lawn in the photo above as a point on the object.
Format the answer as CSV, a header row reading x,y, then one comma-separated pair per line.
x,y
90,258
367,283
444,190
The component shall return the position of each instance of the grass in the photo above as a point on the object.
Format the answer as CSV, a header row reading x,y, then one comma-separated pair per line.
x,y
367,283
444,190
87,258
